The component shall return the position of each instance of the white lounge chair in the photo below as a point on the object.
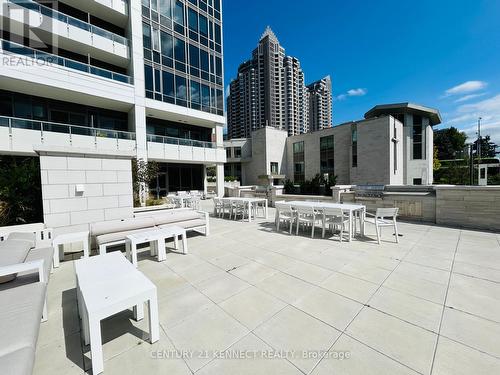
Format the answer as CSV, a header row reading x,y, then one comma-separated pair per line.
x,y
384,217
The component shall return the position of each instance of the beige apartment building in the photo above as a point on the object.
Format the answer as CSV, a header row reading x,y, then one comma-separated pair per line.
x,y
392,145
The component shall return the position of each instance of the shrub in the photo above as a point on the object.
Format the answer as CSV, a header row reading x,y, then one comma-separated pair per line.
x,y
20,190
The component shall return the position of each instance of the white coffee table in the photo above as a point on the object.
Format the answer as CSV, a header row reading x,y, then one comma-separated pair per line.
x,y
156,239
69,238
106,285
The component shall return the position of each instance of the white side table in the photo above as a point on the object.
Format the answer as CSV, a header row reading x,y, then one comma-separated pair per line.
x,y
156,244
106,285
156,239
175,231
69,238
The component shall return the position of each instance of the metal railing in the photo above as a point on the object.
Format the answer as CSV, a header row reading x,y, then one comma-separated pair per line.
x,y
47,126
69,20
179,141
44,58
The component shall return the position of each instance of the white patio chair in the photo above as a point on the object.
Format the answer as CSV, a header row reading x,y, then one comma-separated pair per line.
x,y
256,206
227,207
240,208
218,207
284,212
333,217
306,215
384,217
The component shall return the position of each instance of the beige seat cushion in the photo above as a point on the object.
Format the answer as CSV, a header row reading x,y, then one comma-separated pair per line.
x,y
186,224
20,316
175,217
114,226
118,236
24,236
12,252
18,362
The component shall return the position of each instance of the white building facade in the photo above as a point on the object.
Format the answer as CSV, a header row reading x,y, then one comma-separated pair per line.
x,y
112,80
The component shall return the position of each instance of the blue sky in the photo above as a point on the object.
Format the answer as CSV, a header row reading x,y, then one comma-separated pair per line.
x,y
439,53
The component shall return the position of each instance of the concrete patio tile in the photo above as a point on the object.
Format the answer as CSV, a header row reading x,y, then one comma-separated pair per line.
x,y
119,334
157,358
61,322
252,307
205,333
276,261
253,272
249,356
176,307
351,287
229,261
479,272
285,287
406,343
60,357
309,272
453,358
412,309
221,287
169,283
417,286
200,272
294,331
361,360
475,296
179,262
211,250
472,331
429,260
329,307
366,272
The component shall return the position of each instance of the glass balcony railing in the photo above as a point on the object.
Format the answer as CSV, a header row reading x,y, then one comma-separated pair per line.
x,y
46,126
44,58
46,11
179,141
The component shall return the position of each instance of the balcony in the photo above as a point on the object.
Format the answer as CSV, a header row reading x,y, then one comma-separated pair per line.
x,y
184,150
47,58
73,33
19,135
27,70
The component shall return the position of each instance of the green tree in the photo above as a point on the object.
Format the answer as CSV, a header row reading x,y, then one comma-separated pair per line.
x,y
450,143
488,148
20,190
436,164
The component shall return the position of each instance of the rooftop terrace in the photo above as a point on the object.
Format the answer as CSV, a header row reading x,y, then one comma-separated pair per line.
x,y
294,305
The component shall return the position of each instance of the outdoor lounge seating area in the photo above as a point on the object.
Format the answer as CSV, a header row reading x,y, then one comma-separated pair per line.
x,y
423,303
249,299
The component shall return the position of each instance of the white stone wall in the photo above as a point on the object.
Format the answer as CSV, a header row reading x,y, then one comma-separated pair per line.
x,y
107,183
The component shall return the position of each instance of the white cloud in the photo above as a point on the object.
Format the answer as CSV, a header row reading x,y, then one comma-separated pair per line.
x,y
352,92
466,116
466,87
228,90
469,97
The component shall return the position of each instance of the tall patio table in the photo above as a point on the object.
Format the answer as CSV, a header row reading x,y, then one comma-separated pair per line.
x,y
351,209
248,202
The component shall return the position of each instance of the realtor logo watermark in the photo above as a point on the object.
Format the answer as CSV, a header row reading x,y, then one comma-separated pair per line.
x,y
27,28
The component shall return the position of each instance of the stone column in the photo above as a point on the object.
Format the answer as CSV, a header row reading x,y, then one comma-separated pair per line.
x,y
219,174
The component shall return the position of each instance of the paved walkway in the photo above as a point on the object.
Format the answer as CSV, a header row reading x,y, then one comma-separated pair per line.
x,y
248,300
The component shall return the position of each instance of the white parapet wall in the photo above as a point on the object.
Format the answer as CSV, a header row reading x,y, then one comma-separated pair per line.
x,y
81,187
468,206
